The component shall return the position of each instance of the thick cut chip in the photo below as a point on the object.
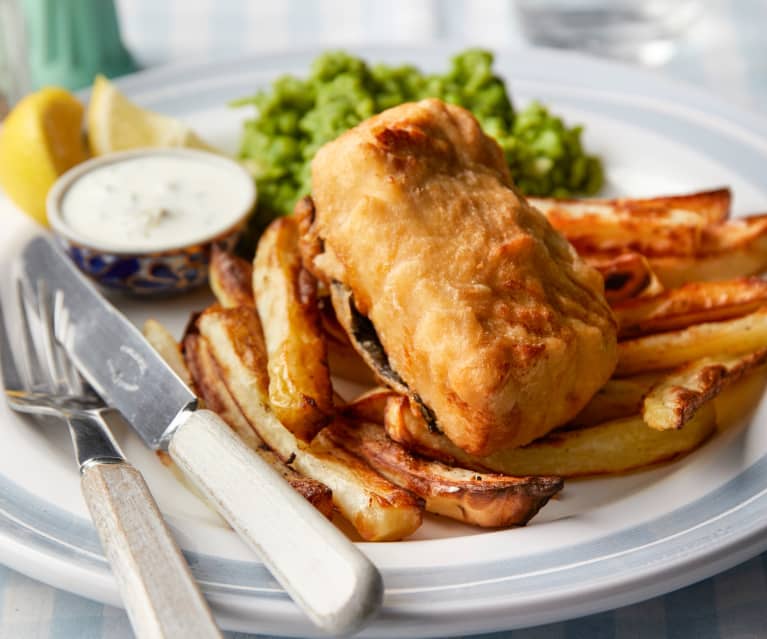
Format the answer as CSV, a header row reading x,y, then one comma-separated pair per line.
x,y
733,234
626,275
693,303
300,392
673,272
675,399
737,248
214,392
617,398
231,279
596,227
614,446
483,499
212,389
167,347
370,406
671,225
672,349
377,509
709,206
738,401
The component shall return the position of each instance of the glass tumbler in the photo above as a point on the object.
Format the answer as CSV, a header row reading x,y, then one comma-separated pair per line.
x,y
644,31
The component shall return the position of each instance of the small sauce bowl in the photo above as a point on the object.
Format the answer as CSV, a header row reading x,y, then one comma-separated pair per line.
x,y
120,217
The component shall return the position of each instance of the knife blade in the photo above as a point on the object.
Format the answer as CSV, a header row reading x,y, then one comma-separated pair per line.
x,y
343,588
112,354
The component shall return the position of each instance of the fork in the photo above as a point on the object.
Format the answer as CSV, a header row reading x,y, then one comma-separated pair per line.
x,y
161,597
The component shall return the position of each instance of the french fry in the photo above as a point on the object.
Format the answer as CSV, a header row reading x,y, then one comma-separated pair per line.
x,y
739,400
658,226
231,279
614,446
709,334
309,243
693,303
300,392
626,275
710,206
209,383
737,248
671,225
676,398
487,500
674,348
167,347
370,406
377,509
592,233
617,398
734,234
673,272
213,391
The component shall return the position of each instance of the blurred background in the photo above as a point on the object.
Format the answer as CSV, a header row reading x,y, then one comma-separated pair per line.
x,y
717,44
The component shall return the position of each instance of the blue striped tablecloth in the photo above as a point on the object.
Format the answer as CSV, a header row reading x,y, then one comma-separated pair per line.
x,y
725,51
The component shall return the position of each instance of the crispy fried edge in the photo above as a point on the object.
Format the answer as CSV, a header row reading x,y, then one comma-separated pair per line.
x,y
733,234
378,509
675,399
669,225
486,500
231,279
618,398
733,249
370,406
210,385
712,206
614,446
692,303
626,275
674,348
594,233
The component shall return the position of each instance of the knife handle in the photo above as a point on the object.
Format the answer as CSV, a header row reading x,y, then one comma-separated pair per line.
x,y
324,573
160,595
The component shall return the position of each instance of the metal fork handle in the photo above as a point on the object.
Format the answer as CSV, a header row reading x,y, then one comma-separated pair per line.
x,y
92,437
161,597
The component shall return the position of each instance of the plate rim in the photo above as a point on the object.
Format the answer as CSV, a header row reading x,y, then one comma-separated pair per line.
x,y
687,569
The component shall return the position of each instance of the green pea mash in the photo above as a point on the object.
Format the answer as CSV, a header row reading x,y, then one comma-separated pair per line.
x,y
295,117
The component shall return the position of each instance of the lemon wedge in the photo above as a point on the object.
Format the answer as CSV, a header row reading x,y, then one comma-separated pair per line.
x,y
39,140
117,124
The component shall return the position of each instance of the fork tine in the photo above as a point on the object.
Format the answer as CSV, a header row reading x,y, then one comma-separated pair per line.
x,y
61,327
56,373
11,378
33,371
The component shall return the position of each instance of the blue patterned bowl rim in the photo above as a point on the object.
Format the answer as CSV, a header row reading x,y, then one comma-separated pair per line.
x,y
237,218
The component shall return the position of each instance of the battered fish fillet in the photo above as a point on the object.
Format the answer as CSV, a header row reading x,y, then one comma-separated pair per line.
x,y
484,310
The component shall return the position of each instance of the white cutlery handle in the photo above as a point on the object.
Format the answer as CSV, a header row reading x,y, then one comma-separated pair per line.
x,y
324,573
160,595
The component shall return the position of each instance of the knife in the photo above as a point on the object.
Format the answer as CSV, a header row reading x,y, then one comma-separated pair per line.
x,y
324,573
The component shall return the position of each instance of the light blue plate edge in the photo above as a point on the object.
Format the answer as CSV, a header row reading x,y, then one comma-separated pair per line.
x,y
690,539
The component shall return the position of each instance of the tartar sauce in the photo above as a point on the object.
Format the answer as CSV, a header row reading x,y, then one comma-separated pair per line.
x,y
155,201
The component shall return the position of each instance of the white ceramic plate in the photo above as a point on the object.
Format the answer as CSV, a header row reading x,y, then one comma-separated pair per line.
x,y
604,543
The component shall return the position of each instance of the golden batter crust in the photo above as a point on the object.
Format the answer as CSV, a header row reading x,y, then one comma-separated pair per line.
x,y
485,311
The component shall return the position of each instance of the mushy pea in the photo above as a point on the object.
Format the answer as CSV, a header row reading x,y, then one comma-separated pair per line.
x,y
295,117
